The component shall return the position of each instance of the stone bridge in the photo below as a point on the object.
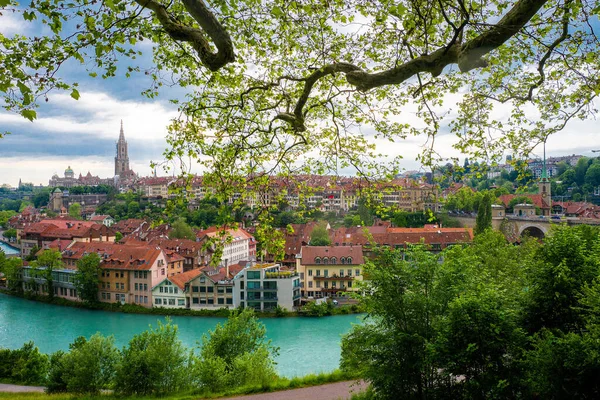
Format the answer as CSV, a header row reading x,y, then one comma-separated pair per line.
x,y
515,227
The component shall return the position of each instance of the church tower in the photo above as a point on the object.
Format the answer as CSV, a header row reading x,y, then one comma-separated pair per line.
x,y
544,188
122,157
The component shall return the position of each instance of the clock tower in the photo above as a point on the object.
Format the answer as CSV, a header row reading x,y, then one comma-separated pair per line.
x,y
544,188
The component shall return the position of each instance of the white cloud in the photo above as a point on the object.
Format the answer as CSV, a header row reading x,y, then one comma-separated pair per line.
x,y
12,23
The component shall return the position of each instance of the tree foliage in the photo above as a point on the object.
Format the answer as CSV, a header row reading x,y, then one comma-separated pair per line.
x,y
181,230
87,278
331,70
236,353
320,236
154,362
45,264
491,320
484,214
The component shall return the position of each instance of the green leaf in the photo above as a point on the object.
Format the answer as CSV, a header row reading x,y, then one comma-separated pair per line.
x,y
75,94
4,3
29,114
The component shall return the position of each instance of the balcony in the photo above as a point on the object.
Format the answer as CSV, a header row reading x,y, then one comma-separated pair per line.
x,y
333,290
280,275
333,278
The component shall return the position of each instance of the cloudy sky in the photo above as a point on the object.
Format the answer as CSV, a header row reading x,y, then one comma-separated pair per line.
x,y
82,134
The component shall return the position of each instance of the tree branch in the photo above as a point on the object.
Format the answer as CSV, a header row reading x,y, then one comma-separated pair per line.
x,y
194,36
467,56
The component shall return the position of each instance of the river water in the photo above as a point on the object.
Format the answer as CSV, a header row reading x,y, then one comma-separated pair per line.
x,y
306,345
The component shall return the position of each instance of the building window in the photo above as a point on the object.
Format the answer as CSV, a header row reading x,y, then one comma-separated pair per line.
x,y
210,289
229,301
310,284
349,260
195,300
318,283
181,302
156,301
145,287
343,260
341,273
220,300
325,260
145,299
317,260
356,272
318,272
326,273
202,289
349,272
195,289
333,260
253,275
310,272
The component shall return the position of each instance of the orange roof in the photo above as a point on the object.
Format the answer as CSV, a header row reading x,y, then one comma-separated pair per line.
x,y
181,279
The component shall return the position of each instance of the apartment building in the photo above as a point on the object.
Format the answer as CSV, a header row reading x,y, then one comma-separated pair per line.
x,y
329,271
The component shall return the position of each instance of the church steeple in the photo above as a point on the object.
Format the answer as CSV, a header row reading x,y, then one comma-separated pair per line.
x,y
122,157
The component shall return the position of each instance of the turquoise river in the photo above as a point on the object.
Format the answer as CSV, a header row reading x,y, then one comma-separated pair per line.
x,y
306,344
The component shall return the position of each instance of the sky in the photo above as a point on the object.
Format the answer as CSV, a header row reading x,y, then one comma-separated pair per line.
x,y
82,133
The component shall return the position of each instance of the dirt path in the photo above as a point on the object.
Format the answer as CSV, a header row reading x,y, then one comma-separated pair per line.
x,y
5,387
330,391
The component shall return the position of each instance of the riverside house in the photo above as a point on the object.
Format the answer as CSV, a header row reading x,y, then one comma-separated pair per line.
x,y
329,271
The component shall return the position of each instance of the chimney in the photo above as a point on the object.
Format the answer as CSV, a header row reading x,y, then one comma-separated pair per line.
x,y
227,270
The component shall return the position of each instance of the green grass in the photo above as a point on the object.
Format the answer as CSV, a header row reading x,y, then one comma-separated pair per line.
x,y
274,386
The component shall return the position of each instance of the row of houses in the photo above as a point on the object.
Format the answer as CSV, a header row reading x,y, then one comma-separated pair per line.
x,y
328,193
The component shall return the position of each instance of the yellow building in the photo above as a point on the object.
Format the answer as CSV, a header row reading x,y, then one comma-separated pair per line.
x,y
329,271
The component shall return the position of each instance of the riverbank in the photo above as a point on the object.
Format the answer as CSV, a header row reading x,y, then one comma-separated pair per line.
x,y
344,309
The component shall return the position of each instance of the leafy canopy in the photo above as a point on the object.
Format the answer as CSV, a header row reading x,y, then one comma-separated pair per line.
x,y
270,81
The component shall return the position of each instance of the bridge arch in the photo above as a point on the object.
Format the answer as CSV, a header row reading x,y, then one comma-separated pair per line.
x,y
538,231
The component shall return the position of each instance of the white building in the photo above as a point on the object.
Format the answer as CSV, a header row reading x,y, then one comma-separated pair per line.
x,y
265,286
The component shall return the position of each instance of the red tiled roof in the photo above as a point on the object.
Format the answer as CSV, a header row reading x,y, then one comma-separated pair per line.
x,y
536,199
309,253
181,279
116,256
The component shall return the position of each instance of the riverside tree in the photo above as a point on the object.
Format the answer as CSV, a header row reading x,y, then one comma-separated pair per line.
x,y
87,277
280,79
46,262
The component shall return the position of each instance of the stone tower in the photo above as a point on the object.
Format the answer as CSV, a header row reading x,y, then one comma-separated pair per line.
x,y
122,157
544,188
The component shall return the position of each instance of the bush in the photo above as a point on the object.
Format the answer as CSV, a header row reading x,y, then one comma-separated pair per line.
x,y
235,354
90,365
154,362
25,365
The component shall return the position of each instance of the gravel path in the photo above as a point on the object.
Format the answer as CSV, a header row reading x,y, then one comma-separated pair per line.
x,y
5,387
330,391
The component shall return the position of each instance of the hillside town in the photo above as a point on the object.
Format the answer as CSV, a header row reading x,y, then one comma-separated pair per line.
x,y
221,266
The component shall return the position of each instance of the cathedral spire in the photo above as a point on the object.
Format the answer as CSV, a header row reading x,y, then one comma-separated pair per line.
x,y
121,133
122,156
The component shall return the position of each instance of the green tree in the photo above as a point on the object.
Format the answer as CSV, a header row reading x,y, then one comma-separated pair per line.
x,y
236,353
10,233
592,175
181,230
581,169
46,263
75,210
568,261
12,268
484,214
118,237
90,365
133,208
87,278
41,198
154,362
5,216
320,236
